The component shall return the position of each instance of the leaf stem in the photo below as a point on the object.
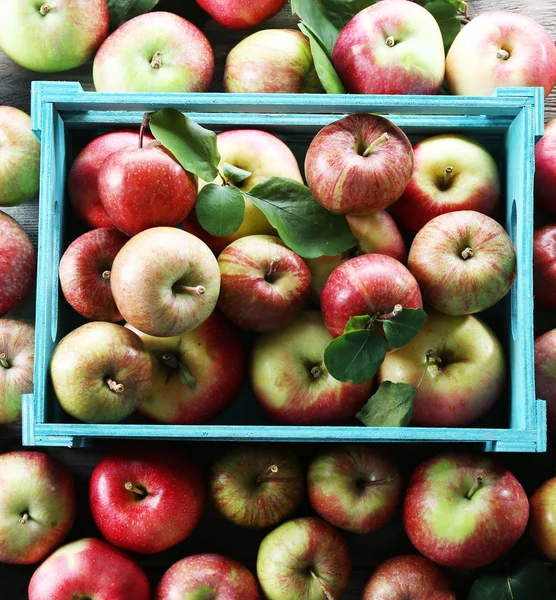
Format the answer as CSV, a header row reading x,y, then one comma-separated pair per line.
x,y
478,483
4,361
327,593
383,138
266,475
144,125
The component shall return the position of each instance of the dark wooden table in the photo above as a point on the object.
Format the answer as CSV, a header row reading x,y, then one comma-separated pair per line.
x,y
213,534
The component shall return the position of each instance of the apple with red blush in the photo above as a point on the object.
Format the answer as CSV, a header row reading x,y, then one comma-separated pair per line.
x,y
542,524
545,374
545,168
544,266
236,14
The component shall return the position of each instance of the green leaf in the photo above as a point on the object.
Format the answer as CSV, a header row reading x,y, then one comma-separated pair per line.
x,y
357,323
121,11
186,377
446,13
355,357
390,406
234,174
193,146
402,328
302,223
220,209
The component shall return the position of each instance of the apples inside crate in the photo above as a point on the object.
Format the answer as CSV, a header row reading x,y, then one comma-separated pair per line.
x,y
508,124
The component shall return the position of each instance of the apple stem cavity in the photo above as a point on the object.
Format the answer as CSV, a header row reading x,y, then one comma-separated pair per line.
x,y
467,253
133,488
502,54
199,289
383,138
144,125
118,388
327,593
390,41
268,474
4,361
24,518
156,61
395,312
44,9
476,486
170,360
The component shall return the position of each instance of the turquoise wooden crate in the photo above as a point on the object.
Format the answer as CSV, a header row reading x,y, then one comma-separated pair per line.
x,y
509,123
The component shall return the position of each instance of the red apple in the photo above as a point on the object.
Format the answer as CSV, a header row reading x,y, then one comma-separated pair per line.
x,y
464,511
85,269
545,373
544,266
542,523
146,501
18,264
451,172
359,164
89,569
236,14
83,175
392,47
464,262
264,284
37,506
354,487
366,285
208,576
408,578
545,168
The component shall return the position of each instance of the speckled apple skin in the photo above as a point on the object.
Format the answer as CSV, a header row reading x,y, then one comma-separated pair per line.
x,y
542,524
89,568
36,484
237,14
545,168
544,266
545,373
18,264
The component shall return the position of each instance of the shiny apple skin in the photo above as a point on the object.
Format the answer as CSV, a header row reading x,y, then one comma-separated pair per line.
x,y
542,524
341,489
545,374
165,516
237,14
366,285
545,168
544,266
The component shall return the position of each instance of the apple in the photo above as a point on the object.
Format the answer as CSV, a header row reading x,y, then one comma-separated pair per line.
x,y
146,501
542,524
20,154
500,49
392,47
256,486
17,359
52,36
85,270
290,380
89,569
212,355
304,559
464,378
155,52
207,576
354,487
272,61
408,578
544,266
545,168
101,372
18,264
545,374
359,164
451,172
83,175
165,281
464,511
37,506
366,285
264,284
464,262
236,14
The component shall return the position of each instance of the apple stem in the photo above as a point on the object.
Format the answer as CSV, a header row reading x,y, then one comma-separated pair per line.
x,y
156,62
4,361
115,387
327,593
429,355
316,372
397,310
272,470
24,518
106,274
467,253
478,483
502,54
273,266
390,41
170,360
370,482
383,138
144,125
132,488
193,290
44,9
448,174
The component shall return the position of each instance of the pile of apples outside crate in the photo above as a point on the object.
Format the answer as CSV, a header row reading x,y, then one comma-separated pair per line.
x,y
179,358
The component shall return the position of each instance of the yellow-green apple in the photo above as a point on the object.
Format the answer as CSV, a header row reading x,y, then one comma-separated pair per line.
x,y
37,506
83,175
17,359
207,577
236,14
264,284
157,52
366,285
256,486
55,35
542,524
305,559
89,569
272,61
464,378
263,155
464,511
101,372
392,47
545,168
196,375
359,164
146,500
20,153
290,380
464,262
165,281
354,487
451,172
544,266
85,270
409,577
18,264
501,49
545,373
